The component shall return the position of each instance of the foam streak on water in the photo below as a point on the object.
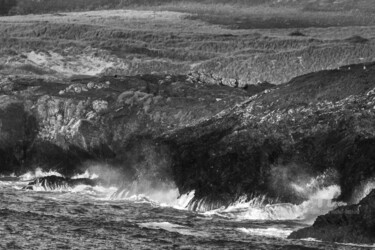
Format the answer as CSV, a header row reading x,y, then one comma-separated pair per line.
x,y
269,232
85,217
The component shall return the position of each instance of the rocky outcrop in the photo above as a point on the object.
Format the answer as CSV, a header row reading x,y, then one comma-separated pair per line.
x,y
60,125
347,224
216,140
315,122
215,79
54,182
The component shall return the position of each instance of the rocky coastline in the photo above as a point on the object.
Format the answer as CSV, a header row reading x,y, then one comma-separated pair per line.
x,y
220,141
348,224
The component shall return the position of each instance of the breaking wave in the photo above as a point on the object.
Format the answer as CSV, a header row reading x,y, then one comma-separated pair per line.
x,y
268,232
257,208
362,190
320,201
319,197
170,227
87,175
37,173
164,195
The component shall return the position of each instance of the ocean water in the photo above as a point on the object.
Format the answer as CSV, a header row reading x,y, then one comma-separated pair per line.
x,y
87,217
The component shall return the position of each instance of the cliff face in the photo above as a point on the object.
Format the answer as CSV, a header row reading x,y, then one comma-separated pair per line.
x,y
213,139
316,122
354,224
59,125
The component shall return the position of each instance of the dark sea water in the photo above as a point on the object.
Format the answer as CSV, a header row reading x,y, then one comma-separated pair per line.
x,y
87,218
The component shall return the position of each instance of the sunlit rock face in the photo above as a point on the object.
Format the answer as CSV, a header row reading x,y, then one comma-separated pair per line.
x,y
214,139
354,224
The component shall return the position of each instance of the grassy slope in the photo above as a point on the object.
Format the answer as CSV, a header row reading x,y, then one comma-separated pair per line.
x,y
212,39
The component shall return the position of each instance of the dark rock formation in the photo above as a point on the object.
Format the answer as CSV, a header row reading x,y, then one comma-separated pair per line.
x,y
213,139
54,182
58,125
315,122
353,223
214,79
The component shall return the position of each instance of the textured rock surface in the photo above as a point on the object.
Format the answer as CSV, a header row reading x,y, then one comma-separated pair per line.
x,y
315,122
213,139
60,125
354,224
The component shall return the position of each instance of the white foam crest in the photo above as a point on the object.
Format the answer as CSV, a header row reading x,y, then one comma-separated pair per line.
x,y
41,188
267,232
37,173
307,188
183,200
156,196
311,239
99,192
86,175
96,192
170,227
162,197
363,190
319,203
5,176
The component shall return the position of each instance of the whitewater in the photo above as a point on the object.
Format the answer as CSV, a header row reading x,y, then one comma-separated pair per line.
x,y
104,217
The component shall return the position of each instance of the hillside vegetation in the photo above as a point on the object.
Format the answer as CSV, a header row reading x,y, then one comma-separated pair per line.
x,y
126,42
247,42
48,6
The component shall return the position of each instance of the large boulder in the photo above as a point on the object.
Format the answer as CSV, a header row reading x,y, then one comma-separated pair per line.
x,y
347,224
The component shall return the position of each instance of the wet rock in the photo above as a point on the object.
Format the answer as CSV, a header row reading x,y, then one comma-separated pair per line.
x,y
54,182
347,224
52,125
178,131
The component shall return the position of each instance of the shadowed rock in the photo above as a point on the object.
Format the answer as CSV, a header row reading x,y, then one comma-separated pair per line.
x,y
212,139
353,223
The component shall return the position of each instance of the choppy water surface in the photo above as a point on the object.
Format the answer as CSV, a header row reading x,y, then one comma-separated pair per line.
x,y
86,218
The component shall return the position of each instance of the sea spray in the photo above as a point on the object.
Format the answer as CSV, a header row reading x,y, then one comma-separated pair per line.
x,y
165,194
362,190
255,209
87,175
318,193
38,173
